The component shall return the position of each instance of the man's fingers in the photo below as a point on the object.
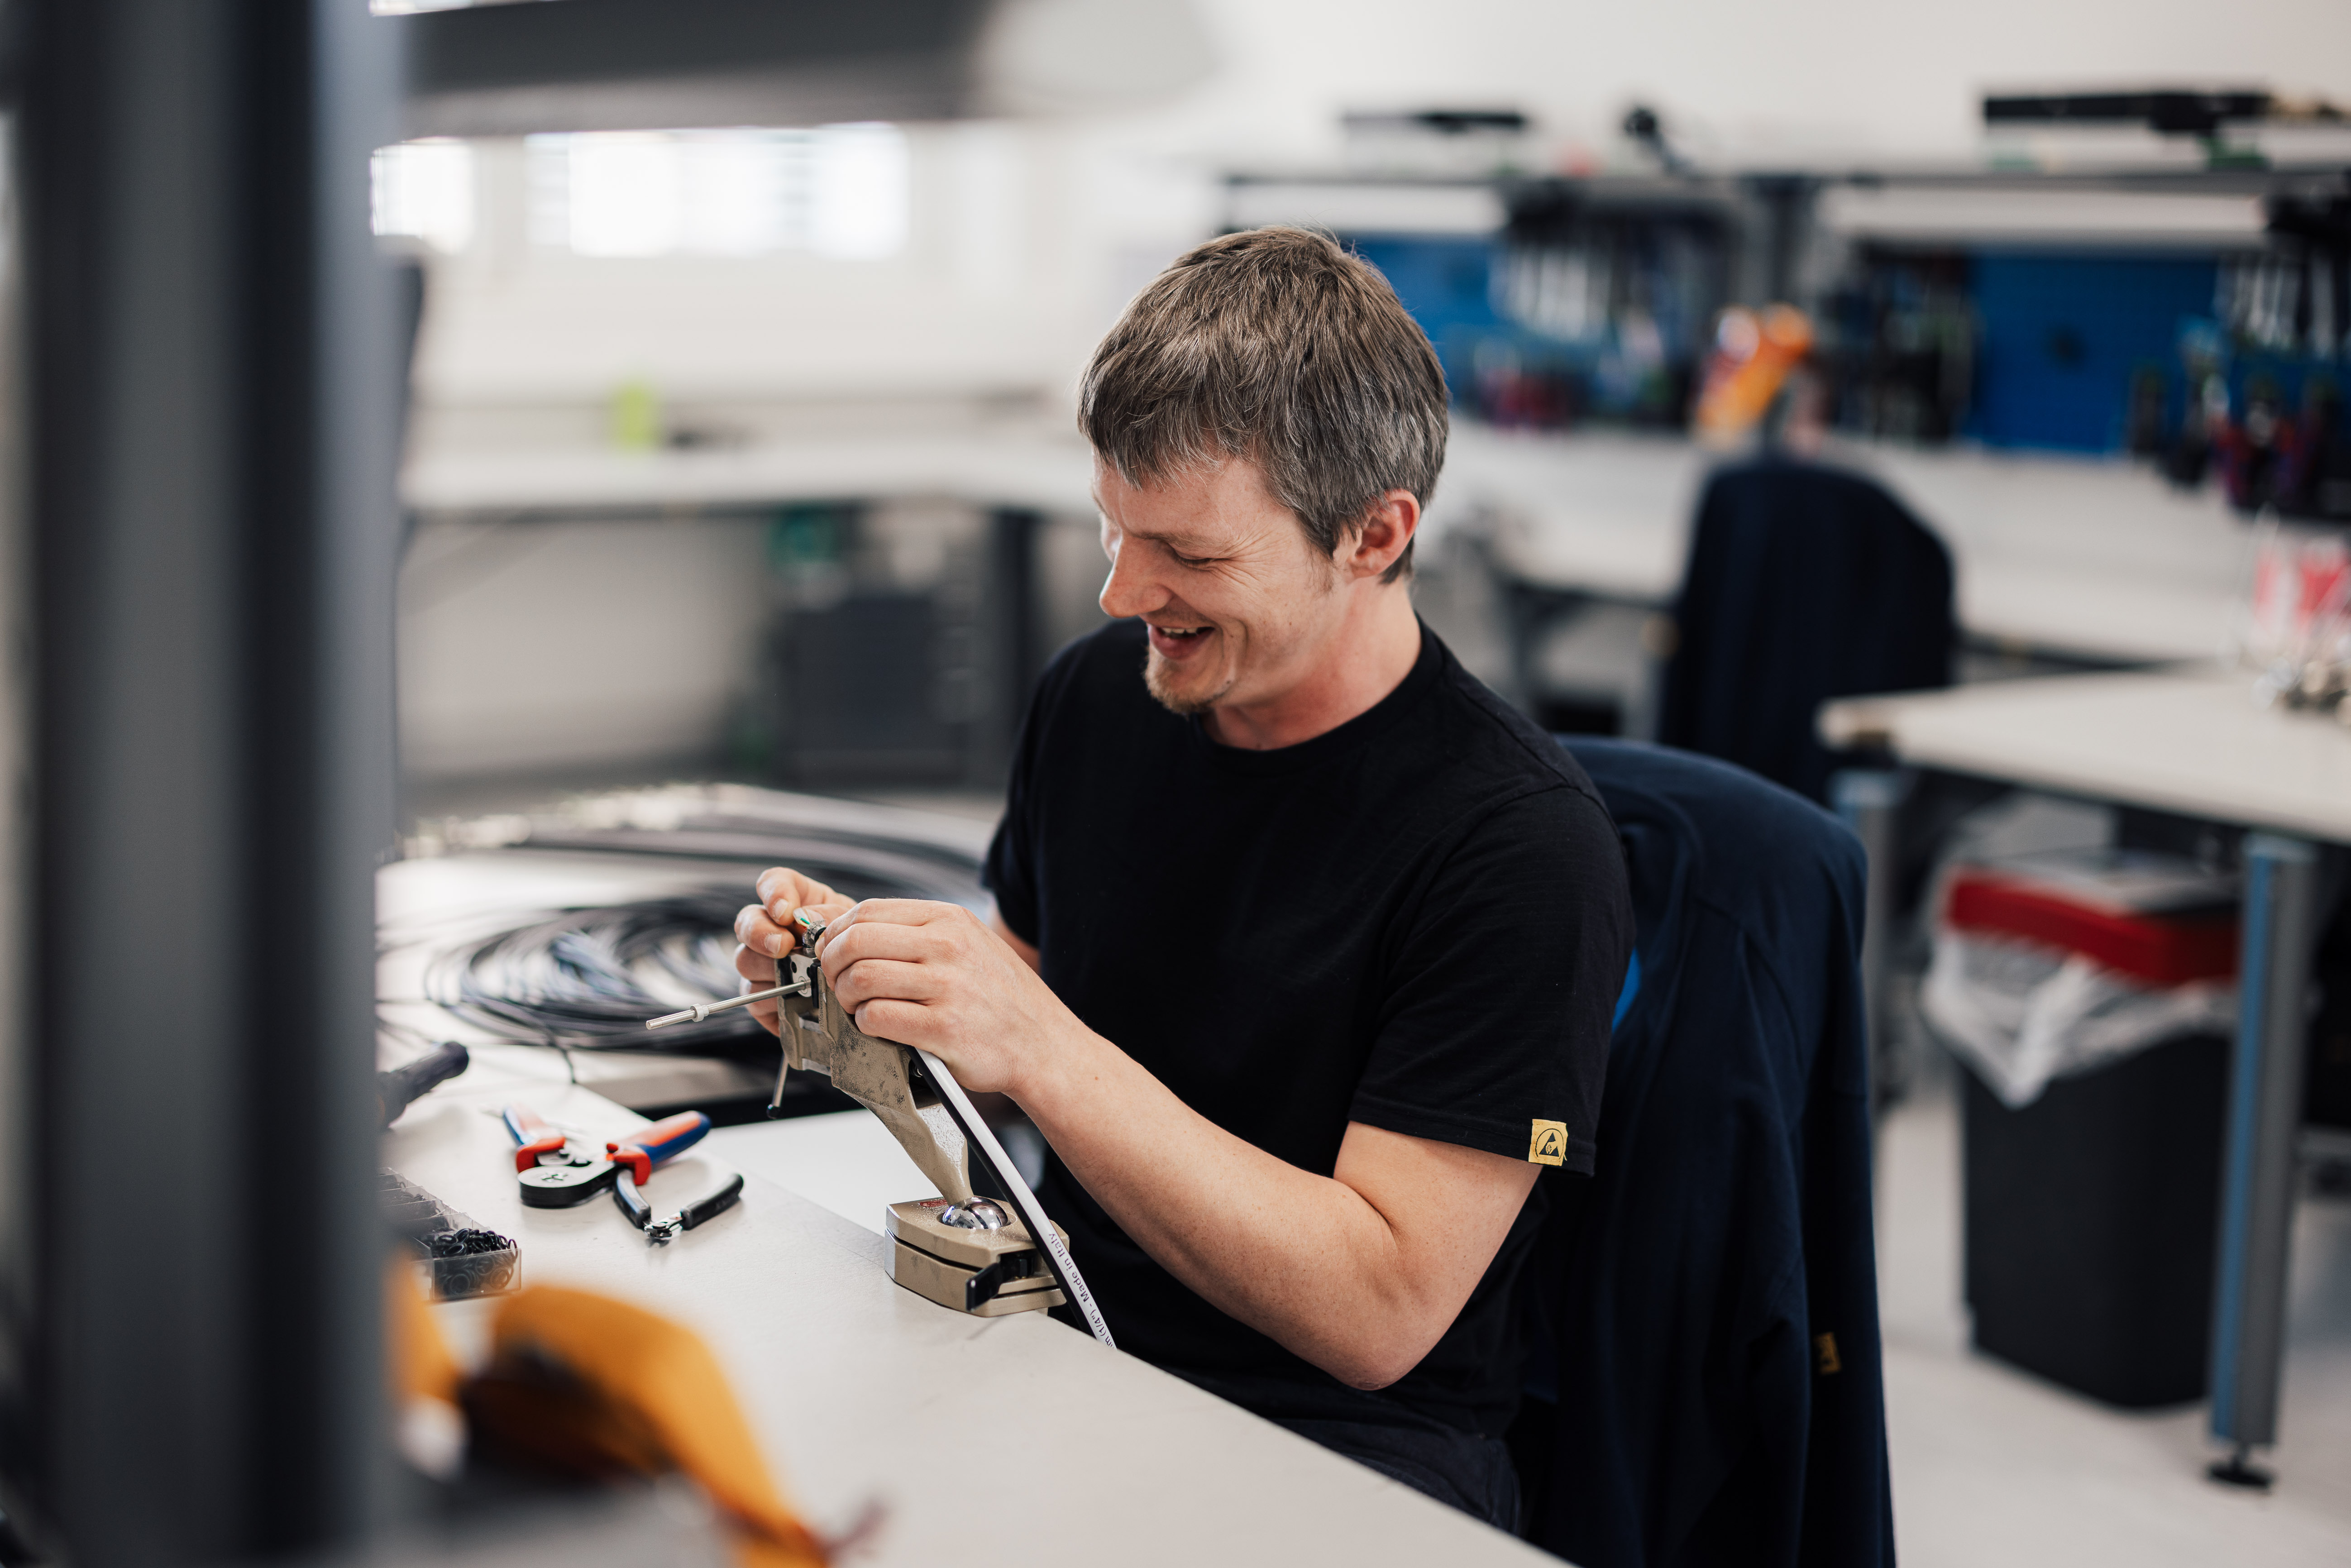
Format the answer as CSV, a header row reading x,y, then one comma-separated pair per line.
x,y
756,930
770,1017
759,971
884,979
908,1023
873,939
782,890
757,926
914,912
823,913
906,911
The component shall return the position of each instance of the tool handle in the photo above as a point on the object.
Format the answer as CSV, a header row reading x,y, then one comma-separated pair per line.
x,y
641,1214
395,1091
711,1207
658,1144
632,1202
532,1135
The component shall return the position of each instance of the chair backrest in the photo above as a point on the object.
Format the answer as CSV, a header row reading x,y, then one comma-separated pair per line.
x,y
1804,583
1708,1296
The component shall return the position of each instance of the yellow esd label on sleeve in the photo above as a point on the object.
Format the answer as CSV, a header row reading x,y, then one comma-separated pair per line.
x,y
1548,1144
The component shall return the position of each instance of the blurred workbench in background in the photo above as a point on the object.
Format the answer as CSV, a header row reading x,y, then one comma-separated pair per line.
x,y
2093,559
1545,556
2194,745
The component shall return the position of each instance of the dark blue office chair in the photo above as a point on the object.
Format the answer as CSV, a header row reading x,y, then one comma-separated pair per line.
x,y
1804,583
1708,1300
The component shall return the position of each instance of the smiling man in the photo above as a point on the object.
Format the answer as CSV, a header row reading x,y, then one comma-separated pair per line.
x,y
1306,944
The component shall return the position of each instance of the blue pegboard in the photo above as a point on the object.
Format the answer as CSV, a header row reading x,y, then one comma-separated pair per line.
x,y
1447,283
2062,336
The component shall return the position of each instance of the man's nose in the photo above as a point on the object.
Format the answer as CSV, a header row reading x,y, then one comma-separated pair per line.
x,y
1129,589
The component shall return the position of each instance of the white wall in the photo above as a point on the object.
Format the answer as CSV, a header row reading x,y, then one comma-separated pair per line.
x,y
544,646
1747,77
977,304
1027,237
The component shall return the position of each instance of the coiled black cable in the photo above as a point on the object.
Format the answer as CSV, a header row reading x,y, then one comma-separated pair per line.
x,y
588,977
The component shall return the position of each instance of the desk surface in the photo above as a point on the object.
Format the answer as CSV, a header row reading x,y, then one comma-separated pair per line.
x,y
2193,743
858,1389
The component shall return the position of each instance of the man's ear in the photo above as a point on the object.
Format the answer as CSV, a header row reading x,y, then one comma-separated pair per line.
x,y
1386,530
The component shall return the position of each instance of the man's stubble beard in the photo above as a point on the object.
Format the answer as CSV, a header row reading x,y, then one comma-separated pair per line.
x,y
1155,682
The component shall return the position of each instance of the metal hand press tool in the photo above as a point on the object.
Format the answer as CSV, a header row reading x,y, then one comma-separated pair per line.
x,y
958,1249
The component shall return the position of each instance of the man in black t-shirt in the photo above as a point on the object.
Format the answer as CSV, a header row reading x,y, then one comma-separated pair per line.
x,y
1306,944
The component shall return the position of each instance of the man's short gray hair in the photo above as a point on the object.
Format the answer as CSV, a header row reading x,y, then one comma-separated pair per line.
x,y
1277,345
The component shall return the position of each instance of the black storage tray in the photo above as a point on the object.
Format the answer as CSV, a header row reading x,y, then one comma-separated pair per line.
x,y
419,1216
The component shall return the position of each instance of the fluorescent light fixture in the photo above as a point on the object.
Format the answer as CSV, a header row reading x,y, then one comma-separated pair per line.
x,y
835,190
425,189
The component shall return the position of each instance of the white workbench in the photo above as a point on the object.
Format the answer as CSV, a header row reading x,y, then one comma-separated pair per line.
x,y
2080,555
1006,1440
2193,743
1020,466
2190,742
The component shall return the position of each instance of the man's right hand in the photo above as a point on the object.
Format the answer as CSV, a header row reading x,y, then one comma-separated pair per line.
x,y
768,933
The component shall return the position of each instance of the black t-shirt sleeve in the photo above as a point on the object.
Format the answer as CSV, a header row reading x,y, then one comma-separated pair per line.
x,y
1007,871
1494,1032
1010,870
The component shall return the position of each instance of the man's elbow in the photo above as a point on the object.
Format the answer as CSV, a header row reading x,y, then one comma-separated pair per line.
x,y
1373,1364
1372,1373
1371,1380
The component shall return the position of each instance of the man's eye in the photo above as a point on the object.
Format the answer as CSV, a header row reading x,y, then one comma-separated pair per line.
x,y
1194,562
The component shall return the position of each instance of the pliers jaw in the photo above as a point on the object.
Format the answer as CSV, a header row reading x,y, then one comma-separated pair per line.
x,y
573,1182
555,1168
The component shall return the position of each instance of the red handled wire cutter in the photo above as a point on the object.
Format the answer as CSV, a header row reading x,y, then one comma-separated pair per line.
x,y
558,1170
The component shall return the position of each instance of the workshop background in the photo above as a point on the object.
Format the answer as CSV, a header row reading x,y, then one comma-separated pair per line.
x,y
745,454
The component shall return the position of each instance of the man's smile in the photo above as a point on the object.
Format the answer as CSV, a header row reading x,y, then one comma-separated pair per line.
x,y
1179,641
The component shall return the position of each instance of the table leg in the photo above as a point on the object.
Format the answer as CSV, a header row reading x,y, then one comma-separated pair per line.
x,y
1869,799
2281,919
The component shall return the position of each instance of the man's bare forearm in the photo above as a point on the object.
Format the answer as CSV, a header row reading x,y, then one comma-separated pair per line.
x,y
1304,1258
1359,1272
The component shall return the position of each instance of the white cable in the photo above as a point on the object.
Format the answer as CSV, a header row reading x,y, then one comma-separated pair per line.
x,y
1032,1213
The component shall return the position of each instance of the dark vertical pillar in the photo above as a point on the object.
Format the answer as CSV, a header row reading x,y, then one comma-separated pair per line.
x,y
212,391
1783,206
1012,654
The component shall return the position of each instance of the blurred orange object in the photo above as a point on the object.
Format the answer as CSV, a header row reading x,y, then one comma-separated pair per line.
x,y
1752,356
420,1364
595,1388
427,1426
